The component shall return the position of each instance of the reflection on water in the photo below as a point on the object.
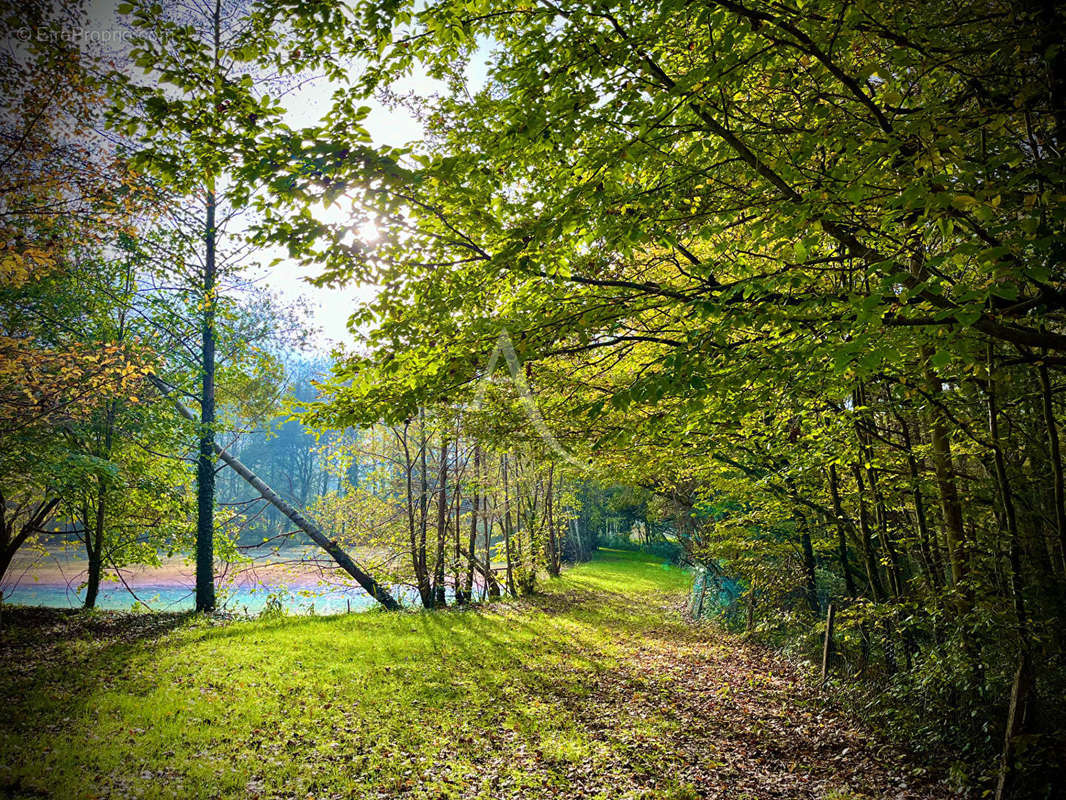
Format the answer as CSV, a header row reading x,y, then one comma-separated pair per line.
x,y
171,598
292,579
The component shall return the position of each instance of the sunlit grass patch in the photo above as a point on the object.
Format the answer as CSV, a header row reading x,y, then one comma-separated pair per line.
x,y
417,703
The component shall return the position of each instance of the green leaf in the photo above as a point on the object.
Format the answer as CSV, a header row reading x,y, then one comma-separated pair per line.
x,y
941,358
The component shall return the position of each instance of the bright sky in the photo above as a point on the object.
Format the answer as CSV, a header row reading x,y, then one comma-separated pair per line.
x,y
330,307
386,126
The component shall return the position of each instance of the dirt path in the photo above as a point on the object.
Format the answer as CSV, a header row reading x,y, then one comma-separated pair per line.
x,y
741,724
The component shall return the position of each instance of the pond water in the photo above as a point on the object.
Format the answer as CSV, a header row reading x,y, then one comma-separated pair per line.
x,y
180,598
296,582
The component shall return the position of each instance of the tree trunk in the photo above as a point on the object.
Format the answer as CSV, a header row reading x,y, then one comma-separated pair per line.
x,y
468,584
7,553
94,534
1007,499
1056,460
845,561
944,470
1019,715
418,564
205,464
507,530
34,524
439,597
486,571
842,540
885,535
422,572
94,545
554,562
810,582
581,550
932,566
873,575
458,574
536,540
863,425
492,587
827,644
703,594
458,580
343,560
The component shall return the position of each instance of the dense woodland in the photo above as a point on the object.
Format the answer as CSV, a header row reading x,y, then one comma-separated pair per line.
x,y
777,286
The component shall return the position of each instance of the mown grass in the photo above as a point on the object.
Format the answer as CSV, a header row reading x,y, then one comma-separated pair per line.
x,y
481,703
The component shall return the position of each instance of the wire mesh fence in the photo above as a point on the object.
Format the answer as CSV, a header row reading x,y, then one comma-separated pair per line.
x,y
713,594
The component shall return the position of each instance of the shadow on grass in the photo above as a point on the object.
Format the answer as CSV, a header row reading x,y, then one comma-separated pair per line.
x,y
44,643
51,655
488,679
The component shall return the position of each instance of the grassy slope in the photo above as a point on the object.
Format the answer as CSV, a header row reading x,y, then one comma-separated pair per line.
x,y
596,688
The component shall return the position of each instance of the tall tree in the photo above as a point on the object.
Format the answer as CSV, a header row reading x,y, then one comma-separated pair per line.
x,y
194,107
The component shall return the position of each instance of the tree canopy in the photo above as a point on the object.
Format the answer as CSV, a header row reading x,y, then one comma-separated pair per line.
x,y
779,286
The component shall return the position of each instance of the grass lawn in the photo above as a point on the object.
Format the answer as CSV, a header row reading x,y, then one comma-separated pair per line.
x,y
595,688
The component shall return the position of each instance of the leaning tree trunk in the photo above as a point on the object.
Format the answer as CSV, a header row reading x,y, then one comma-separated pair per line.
x,y
11,539
343,560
